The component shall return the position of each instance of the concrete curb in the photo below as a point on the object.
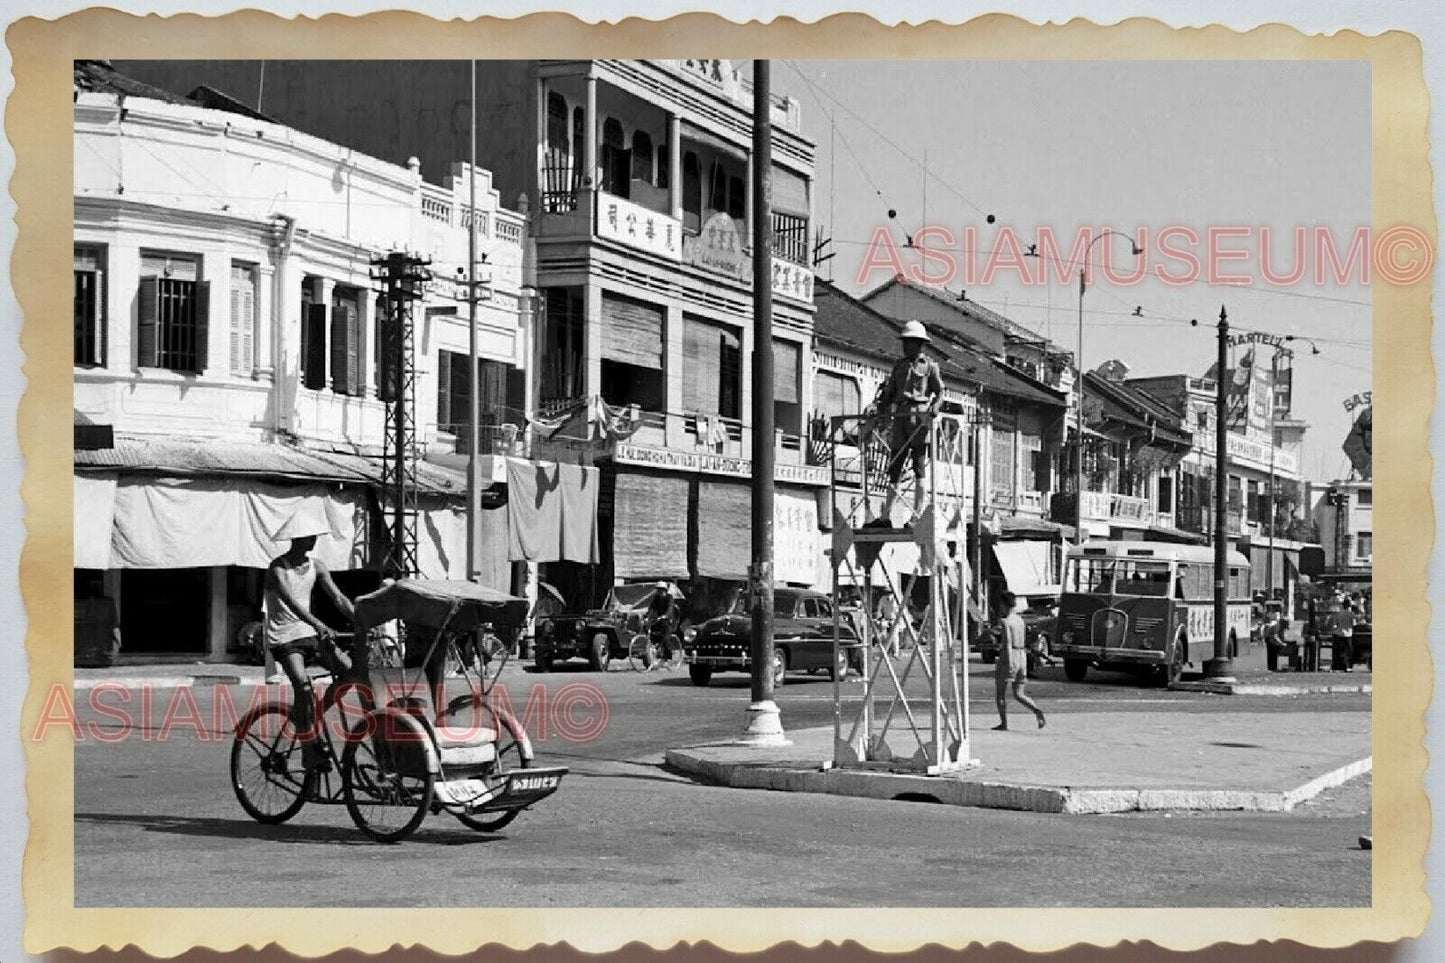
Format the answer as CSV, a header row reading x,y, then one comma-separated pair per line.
x,y
198,680
963,791
1264,689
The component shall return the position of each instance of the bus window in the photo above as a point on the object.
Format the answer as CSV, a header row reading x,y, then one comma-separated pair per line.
x,y
1118,576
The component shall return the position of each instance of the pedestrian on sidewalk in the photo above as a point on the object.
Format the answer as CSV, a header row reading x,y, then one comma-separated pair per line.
x,y
294,635
888,617
1013,663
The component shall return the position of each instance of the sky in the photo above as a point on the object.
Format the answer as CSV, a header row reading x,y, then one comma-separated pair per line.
x,y
1065,146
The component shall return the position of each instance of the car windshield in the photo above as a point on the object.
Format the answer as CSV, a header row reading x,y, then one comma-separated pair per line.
x,y
783,605
1117,576
631,596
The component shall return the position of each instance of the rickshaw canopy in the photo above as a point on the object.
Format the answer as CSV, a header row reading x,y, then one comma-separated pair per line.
x,y
460,606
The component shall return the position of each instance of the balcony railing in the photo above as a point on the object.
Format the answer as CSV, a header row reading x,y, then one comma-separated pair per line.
x,y
1101,506
790,237
560,180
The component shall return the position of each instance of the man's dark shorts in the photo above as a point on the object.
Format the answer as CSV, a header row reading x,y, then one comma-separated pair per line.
x,y
907,440
311,651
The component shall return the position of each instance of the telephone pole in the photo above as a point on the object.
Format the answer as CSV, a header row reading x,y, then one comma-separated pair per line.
x,y
1222,665
764,724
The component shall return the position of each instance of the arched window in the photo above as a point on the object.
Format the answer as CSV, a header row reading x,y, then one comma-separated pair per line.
x,y
614,161
558,141
641,156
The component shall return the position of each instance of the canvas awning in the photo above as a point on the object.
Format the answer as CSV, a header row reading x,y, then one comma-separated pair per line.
x,y
1025,566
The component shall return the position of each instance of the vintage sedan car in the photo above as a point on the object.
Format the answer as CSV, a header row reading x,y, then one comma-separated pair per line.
x,y
802,639
645,613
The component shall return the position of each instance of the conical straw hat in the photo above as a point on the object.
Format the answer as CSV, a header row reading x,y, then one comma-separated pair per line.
x,y
308,519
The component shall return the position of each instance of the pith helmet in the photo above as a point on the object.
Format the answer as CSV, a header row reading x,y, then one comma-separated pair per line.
x,y
914,331
307,520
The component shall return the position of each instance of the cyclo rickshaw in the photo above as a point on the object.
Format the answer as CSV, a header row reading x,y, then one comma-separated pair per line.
x,y
472,759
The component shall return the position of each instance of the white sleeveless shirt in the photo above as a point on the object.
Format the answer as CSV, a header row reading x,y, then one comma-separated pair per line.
x,y
283,624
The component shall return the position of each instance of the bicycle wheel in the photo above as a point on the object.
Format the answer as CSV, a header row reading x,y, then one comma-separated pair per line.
x,y
641,653
266,766
386,802
491,823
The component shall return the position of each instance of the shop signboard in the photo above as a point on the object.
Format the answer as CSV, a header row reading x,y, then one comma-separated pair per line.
x,y
708,463
635,226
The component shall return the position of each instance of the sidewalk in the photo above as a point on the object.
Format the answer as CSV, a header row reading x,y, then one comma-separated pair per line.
x,y
1252,677
1095,762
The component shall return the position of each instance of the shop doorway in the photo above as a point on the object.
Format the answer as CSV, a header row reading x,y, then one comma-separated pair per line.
x,y
165,611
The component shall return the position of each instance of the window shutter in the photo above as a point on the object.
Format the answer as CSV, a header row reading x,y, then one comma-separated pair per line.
x,y
314,350
516,397
203,325
102,330
248,332
785,372
353,350
704,345
236,322
1042,475
147,322
444,390
338,347
632,332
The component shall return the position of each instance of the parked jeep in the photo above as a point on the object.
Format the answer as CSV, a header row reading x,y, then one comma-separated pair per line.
x,y
641,614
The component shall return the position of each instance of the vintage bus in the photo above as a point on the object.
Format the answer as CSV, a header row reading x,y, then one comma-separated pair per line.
x,y
1145,606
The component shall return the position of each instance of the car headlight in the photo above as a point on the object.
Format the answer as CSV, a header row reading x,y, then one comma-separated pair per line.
x,y
548,628
581,626
1067,638
689,634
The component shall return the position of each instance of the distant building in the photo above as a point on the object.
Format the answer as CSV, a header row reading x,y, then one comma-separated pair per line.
x,y
1343,510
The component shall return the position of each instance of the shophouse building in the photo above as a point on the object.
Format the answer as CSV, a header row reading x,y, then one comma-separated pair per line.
x,y
226,362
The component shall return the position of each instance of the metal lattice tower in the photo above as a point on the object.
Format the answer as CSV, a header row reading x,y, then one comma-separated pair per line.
x,y
936,738
399,278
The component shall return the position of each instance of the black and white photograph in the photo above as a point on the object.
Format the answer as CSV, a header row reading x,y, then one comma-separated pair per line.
x,y
734,484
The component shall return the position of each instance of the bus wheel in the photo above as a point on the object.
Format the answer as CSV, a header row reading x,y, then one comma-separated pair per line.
x,y
1075,669
1171,673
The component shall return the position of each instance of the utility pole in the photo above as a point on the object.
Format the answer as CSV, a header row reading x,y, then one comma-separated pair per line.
x,y
764,723
1221,666
474,400
1079,413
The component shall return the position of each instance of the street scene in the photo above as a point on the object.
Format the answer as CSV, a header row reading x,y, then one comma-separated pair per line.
x,y
712,483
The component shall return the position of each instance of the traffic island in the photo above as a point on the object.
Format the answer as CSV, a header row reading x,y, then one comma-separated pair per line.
x,y
1084,763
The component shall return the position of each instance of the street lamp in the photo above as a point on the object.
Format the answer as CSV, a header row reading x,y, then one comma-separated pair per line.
x,y
1079,383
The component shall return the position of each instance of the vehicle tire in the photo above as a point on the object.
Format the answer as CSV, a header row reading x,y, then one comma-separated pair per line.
x,y
673,655
374,791
700,675
600,654
839,671
498,821
542,662
988,657
266,770
780,666
641,653
1171,673
1075,669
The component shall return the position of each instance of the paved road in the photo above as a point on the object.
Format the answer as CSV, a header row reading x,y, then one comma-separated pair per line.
x,y
156,823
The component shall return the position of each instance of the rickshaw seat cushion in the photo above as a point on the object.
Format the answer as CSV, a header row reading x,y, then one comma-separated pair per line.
x,y
457,737
471,755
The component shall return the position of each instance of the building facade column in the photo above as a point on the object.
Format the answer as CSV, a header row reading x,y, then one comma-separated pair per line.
x,y
674,166
285,326
262,363
592,337
673,375
589,138
217,636
366,321
122,280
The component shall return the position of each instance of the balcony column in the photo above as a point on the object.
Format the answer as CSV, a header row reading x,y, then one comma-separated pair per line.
x,y
589,138
674,429
674,166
